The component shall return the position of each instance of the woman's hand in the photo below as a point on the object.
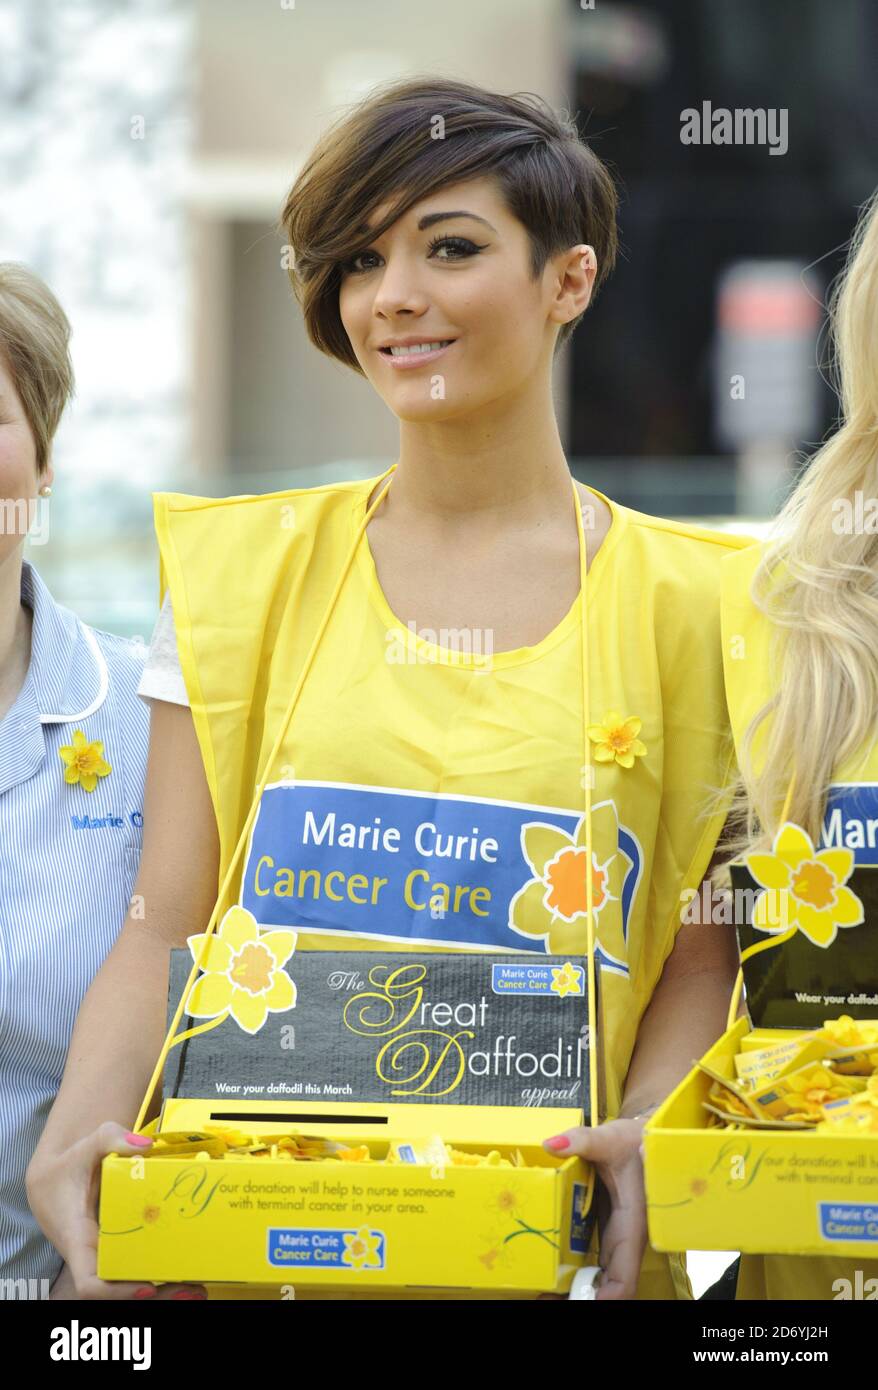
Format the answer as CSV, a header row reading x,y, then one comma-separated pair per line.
x,y
63,1191
615,1149
63,1286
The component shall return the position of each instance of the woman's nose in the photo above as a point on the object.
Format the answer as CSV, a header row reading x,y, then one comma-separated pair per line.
x,y
399,291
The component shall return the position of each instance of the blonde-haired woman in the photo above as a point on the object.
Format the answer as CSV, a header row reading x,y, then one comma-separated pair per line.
x,y
803,683
73,743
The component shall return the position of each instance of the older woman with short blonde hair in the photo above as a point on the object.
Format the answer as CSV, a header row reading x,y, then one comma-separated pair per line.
x,y
73,745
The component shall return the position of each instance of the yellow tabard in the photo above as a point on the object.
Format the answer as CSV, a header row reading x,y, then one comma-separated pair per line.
x,y
430,796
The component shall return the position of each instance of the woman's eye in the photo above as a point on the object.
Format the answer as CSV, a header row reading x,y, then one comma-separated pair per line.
x,y
443,248
352,267
458,247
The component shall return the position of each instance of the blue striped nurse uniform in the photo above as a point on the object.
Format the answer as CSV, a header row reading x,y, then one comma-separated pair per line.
x,y
68,860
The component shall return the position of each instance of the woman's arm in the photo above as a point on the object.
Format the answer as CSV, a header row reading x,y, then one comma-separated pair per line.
x,y
122,1021
686,1015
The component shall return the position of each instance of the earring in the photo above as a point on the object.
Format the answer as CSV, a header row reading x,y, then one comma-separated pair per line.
x,y
46,490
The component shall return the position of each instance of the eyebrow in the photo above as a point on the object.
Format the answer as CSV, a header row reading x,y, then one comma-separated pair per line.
x,y
431,218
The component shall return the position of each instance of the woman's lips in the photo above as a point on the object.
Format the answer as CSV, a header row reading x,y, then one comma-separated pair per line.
x,y
410,360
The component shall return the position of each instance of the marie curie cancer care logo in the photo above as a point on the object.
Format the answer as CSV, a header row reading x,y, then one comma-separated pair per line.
x,y
404,866
359,1249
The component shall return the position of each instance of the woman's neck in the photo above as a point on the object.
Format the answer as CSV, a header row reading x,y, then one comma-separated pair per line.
x,y
509,465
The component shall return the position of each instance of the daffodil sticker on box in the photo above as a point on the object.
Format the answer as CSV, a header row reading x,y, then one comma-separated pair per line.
x,y
243,972
566,979
362,1249
616,739
804,889
85,761
512,1225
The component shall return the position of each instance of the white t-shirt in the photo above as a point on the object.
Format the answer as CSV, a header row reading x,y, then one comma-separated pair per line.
x,y
162,677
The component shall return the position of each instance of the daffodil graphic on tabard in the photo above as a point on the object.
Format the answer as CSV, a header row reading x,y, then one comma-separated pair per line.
x,y
553,905
362,1249
85,761
243,972
804,888
616,740
566,979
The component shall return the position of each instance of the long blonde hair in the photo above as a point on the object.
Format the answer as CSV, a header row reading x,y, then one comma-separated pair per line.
x,y
818,584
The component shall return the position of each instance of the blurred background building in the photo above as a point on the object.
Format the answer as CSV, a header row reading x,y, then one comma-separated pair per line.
x,y
145,149
146,146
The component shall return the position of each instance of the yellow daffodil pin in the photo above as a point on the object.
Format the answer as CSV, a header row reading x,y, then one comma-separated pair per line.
x,y
616,739
849,1032
85,761
243,972
816,1088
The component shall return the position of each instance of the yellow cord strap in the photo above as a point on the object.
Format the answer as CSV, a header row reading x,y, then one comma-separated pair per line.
x,y
586,774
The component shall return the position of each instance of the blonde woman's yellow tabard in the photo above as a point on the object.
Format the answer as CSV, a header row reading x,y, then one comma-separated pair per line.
x,y
289,648
751,678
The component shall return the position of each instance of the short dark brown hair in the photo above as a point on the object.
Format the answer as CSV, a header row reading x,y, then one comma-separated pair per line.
x,y
387,147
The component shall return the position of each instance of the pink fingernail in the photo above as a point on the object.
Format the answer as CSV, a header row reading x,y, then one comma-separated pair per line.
x,y
146,1292
140,1140
560,1141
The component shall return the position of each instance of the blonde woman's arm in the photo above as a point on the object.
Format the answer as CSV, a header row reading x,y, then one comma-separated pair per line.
x,y
122,1021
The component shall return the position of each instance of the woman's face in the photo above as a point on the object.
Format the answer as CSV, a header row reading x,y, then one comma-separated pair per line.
x,y
18,468
455,271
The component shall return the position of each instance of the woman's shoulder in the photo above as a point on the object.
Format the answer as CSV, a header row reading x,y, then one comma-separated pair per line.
x,y
716,542
683,559
247,540
738,570
315,501
748,631
124,656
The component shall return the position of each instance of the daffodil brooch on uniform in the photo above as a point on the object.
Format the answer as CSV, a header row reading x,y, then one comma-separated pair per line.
x,y
616,739
85,761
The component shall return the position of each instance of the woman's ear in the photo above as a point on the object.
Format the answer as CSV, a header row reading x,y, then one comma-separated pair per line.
x,y
588,259
577,269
